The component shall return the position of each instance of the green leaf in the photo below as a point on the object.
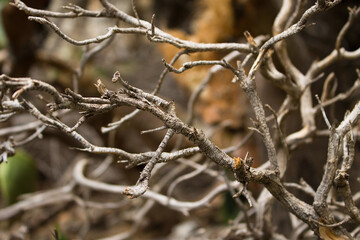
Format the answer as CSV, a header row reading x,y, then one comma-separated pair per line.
x,y
3,2
3,40
58,234
17,176
229,209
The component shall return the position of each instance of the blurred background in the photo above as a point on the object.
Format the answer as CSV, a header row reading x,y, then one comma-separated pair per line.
x,y
28,49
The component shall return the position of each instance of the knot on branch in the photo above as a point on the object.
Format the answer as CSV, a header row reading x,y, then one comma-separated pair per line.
x,y
52,107
341,178
242,168
135,191
196,134
7,150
